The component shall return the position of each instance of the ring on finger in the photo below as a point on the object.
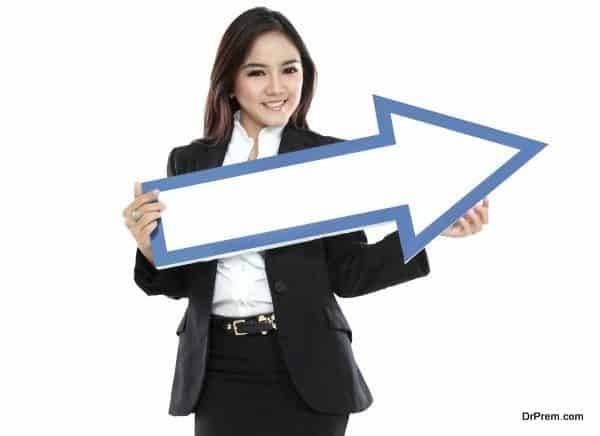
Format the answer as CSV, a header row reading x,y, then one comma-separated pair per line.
x,y
136,215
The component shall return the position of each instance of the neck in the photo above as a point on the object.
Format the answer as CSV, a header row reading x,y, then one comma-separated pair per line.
x,y
251,128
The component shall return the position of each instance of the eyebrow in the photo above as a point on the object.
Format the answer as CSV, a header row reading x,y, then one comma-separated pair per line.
x,y
291,61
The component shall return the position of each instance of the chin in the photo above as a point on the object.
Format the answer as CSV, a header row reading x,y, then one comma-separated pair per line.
x,y
277,122
275,119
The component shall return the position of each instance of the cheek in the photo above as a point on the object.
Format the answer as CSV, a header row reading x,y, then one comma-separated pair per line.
x,y
247,89
296,84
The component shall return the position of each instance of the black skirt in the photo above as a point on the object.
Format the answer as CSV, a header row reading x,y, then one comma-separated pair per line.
x,y
248,391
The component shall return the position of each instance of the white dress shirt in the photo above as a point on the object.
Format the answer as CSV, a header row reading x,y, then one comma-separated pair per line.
x,y
241,286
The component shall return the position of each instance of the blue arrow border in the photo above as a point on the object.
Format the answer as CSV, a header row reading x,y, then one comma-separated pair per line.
x,y
411,243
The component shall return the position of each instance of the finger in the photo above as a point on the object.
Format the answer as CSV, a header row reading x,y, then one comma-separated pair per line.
x,y
144,198
156,206
137,189
457,229
465,225
146,207
450,230
152,207
139,199
482,212
475,222
486,205
147,218
127,211
143,237
145,232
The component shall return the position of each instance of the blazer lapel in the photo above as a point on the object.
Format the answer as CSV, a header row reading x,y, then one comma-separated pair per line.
x,y
292,139
213,156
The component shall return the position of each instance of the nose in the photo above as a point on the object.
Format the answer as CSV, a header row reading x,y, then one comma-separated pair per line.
x,y
274,86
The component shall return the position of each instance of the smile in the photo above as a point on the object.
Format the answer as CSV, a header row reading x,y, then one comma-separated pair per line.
x,y
276,106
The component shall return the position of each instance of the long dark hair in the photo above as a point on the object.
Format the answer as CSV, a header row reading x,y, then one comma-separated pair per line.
x,y
233,49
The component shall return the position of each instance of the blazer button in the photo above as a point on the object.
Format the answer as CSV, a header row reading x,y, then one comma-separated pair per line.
x,y
280,287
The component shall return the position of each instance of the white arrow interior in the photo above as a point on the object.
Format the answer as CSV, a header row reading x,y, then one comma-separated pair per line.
x,y
442,166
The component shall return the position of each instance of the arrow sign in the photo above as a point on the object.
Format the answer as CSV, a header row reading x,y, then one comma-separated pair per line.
x,y
404,174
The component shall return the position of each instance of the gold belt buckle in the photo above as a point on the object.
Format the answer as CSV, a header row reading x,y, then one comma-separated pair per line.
x,y
269,319
235,330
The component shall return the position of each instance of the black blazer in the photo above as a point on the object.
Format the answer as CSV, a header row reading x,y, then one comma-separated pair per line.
x,y
314,335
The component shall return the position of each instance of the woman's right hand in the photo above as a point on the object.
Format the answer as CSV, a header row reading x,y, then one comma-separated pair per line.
x,y
150,211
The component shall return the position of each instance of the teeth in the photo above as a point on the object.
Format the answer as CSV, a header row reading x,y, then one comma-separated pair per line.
x,y
275,106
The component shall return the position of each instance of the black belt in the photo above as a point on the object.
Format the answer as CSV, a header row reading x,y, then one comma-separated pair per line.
x,y
252,325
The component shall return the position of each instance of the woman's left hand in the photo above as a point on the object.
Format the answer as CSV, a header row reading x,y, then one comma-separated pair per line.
x,y
471,222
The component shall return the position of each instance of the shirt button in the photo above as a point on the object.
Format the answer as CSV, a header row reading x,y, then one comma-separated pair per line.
x,y
280,287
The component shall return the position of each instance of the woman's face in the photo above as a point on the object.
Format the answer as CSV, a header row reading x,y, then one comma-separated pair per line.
x,y
270,74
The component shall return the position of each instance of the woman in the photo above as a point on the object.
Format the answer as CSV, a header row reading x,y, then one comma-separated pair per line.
x,y
263,346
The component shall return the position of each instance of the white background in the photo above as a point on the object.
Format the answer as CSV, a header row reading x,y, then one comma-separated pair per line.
x,y
95,94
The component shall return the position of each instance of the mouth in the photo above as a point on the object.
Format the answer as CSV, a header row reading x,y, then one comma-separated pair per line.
x,y
277,106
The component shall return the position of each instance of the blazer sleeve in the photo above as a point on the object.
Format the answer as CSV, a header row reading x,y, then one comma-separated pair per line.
x,y
358,268
152,281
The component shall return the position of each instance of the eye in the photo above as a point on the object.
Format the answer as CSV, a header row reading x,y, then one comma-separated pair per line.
x,y
289,70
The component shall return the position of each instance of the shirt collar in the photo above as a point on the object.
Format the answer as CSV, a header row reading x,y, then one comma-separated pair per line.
x,y
272,134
